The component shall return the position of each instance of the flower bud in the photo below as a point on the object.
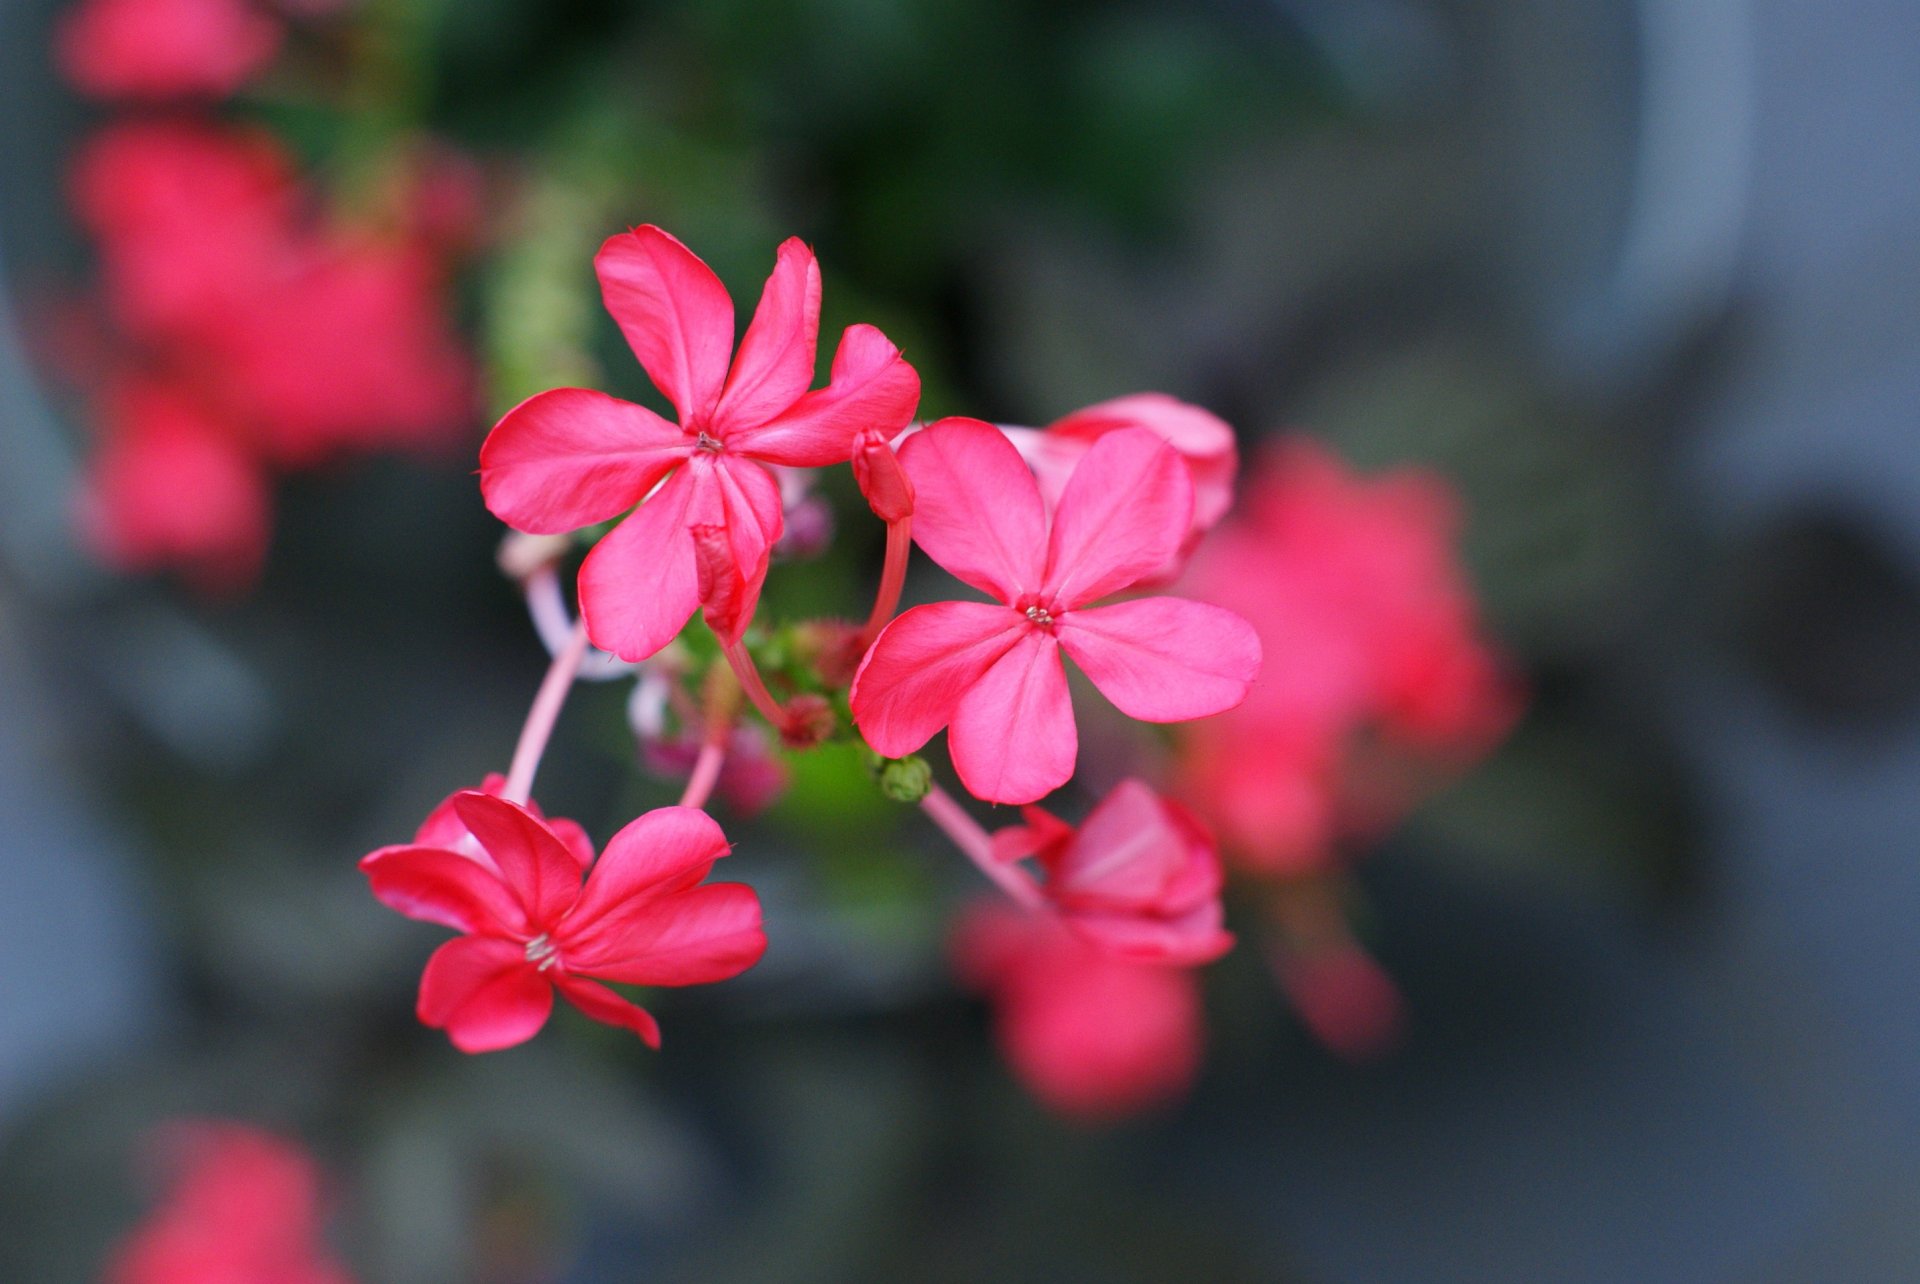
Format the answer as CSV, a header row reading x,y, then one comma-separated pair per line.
x,y
906,779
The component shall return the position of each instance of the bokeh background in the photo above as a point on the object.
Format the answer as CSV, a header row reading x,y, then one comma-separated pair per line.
x,y
1641,279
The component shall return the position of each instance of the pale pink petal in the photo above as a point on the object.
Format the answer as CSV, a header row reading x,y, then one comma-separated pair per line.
x,y
976,509
675,313
667,849
1122,516
775,362
1013,738
871,389
1164,659
922,664
436,885
691,937
482,991
572,457
537,866
1203,439
638,586
1126,850
602,1004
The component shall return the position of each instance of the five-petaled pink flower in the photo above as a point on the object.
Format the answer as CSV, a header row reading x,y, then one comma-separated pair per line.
x,y
644,918
991,673
571,457
1140,877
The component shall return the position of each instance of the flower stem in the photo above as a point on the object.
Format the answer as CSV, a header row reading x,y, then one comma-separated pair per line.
x,y
547,605
544,713
974,841
893,577
706,770
753,685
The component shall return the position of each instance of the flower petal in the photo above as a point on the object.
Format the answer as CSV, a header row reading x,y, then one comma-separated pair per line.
x,y
1127,850
691,937
537,866
739,503
1164,659
668,849
1122,516
976,508
484,994
1203,439
922,664
572,457
602,1004
1013,738
872,388
638,586
775,362
436,885
675,313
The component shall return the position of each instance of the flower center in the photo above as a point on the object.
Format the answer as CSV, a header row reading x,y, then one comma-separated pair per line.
x,y
542,952
1040,615
707,442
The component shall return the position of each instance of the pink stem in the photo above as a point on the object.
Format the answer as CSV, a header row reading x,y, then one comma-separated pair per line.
x,y
754,686
893,577
544,713
706,770
971,839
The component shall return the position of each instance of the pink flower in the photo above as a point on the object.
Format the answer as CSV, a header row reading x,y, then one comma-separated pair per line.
x,y
992,674
1139,877
1377,654
165,48
242,1207
1204,441
570,457
171,487
1093,1036
1347,1000
644,918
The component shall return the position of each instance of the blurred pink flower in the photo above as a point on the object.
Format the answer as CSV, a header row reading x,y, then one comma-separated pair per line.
x,y
1139,877
165,48
644,917
1093,1036
992,673
242,1207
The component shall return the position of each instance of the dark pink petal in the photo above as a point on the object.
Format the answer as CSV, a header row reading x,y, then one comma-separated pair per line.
x,y
1013,738
1164,659
482,991
690,937
675,313
540,869
572,457
976,508
668,849
743,499
442,828
921,665
570,833
1187,940
436,885
1122,516
775,362
1126,850
871,389
882,481
602,1004
638,586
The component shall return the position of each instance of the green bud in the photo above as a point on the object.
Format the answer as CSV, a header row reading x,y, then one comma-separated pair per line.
x,y
906,779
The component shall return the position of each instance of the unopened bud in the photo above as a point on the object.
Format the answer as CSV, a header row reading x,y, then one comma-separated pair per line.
x,y
809,720
906,779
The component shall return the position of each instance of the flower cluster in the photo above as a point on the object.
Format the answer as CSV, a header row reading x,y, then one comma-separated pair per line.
x,y
247,323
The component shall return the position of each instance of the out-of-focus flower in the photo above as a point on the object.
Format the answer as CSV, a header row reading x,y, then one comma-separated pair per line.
x,y
1374,644
992,673
1204,441
241,1207
191,220
165,48
1139,877
171,486
1092,1035
644,917
570,457
1345,998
